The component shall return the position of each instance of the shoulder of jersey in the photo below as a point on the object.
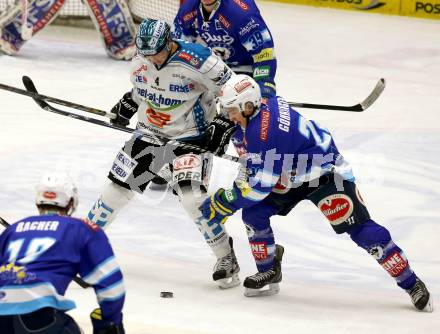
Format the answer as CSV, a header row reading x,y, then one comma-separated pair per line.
x,y
188,11
192,54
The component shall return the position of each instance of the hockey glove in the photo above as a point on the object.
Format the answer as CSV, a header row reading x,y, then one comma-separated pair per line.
x,y
217,208
101,326
124,110
218,134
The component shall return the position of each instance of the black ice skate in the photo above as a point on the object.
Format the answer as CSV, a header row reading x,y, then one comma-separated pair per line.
x,y
420,297
255,284
226,270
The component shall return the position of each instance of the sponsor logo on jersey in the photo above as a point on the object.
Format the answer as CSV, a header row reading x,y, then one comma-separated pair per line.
x,y
182,88
337,208
141,78
140,69
189,16
17,274
242,85
257,39
91,225
395,264
248,27
159,100
242,5
265,122
157,118
187,161
264,55
259,250
224,21
189,59
428,7
261,72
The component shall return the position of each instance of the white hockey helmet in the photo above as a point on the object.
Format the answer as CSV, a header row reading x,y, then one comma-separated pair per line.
x,y
57,189
237,91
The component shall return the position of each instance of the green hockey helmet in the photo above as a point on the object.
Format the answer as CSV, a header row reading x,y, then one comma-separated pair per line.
x,y
152,37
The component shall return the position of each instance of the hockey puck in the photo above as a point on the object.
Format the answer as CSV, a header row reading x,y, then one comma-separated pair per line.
x,y
166,294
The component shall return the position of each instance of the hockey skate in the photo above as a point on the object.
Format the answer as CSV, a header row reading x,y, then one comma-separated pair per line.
x,y
420,297
226,270
256,284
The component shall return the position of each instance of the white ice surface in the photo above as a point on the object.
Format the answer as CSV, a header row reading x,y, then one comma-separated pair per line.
x,y
329,284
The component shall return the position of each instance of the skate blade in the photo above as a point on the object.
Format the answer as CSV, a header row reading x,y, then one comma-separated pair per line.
x,y
229,282
272,289
429,306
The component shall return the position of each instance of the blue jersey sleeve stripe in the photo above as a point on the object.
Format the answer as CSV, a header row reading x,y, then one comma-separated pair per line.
x,y
256,195
112,292
102,271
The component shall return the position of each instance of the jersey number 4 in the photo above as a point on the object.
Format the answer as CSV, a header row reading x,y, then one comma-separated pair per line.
x,y
24,255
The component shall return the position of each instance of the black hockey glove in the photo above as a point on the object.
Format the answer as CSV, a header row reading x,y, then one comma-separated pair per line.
x,y
124,110
101,326
218,134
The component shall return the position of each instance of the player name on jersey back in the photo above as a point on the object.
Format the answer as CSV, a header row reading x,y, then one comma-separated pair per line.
x,y
51,225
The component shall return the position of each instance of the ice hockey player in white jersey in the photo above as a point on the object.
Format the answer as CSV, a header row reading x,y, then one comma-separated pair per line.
x,y
174,86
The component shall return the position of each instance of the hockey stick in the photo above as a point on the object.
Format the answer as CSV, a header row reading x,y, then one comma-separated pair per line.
x,y
77,279
37,96
153,139
375,93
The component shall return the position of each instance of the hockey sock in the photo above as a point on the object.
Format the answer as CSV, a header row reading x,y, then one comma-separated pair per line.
x,y
260,235
376,240
111,201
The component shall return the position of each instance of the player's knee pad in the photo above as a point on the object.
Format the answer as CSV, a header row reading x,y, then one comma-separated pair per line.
x,y
12,28
113,20
215,234
369,234
111,201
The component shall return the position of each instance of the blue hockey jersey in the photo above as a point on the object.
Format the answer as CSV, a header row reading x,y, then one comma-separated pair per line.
x,y
39,257
235,31
283,149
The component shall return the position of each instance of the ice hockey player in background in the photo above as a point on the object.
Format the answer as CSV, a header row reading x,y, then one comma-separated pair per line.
x,y
23,19
293,159
40,256
174,83
234,30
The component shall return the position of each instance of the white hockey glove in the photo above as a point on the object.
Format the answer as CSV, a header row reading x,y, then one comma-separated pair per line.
x,y
218,134
124,110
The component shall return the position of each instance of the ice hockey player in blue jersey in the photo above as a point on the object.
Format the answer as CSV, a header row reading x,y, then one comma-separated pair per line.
x,y
40,256
291,159
235,31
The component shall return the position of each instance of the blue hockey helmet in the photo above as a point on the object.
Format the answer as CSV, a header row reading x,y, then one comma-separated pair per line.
x,y
153,36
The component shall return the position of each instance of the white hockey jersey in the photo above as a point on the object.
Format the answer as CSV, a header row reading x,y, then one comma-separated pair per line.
x,y
178,100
